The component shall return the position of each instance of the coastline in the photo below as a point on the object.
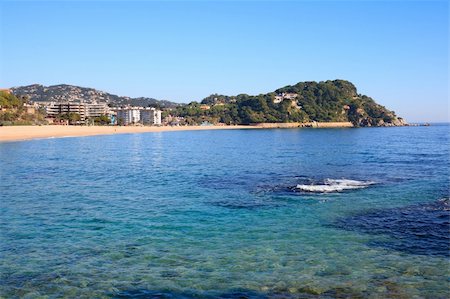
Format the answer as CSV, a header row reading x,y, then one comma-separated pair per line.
x,y
19,133
313,124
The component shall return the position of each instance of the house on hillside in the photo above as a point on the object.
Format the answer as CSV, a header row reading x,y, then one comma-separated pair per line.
x,y
284,96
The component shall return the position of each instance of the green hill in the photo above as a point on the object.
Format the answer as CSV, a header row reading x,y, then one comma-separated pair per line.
x,y
327,101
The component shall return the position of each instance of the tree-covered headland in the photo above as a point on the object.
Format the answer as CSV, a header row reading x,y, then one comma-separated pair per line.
x,y
328,101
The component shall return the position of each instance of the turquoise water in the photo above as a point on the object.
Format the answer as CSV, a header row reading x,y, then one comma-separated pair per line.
x,y
217,214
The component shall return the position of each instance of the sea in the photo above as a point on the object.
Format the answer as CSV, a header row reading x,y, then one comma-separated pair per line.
x,y
276,213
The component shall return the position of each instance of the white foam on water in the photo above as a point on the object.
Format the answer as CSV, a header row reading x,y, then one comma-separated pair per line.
x,y
335,185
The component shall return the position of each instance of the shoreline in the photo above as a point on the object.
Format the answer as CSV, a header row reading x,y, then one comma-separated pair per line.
x,y
22,133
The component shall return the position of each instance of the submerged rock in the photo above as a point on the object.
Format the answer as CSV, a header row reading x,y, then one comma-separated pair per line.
x,y
421,229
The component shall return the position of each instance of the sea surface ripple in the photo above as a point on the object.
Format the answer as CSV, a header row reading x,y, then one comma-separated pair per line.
x,y
217,214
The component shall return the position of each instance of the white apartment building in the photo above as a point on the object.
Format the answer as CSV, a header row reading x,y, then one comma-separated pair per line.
x,y
128,116
150,116
135,115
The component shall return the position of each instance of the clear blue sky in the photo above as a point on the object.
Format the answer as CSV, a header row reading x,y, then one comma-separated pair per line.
x,y
393,51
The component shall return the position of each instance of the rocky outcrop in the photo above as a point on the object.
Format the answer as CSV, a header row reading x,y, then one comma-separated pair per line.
x,y
370,122
375,115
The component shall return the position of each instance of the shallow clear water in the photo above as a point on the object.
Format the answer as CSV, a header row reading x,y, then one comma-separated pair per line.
x,y
217,214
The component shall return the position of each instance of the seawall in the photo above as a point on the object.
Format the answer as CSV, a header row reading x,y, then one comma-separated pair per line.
x,y
305,125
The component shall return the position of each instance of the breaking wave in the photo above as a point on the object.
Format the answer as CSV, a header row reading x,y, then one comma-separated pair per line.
x,y
334,185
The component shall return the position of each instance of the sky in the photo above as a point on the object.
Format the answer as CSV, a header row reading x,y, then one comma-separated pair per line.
x,y
396,52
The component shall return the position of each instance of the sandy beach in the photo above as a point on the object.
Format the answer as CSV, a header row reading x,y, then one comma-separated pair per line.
x,y
17,133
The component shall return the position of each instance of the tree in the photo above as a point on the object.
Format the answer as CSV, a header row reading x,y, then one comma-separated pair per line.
x,y
9,101
102,120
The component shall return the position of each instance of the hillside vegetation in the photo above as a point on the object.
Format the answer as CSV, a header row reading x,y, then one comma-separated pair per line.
x,y
328,101
13,111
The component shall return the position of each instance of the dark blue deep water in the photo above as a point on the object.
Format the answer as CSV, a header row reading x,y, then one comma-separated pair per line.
x,y
228,213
